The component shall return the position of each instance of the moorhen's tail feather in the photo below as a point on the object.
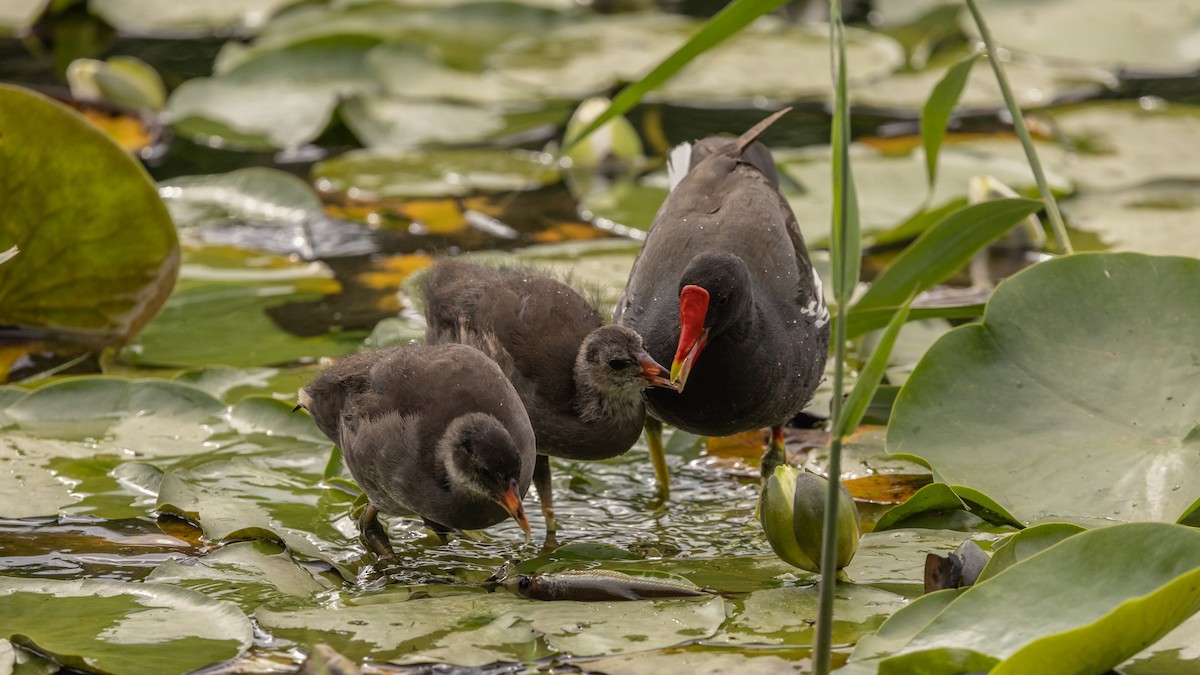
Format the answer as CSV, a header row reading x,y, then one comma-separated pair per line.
x,y
745,148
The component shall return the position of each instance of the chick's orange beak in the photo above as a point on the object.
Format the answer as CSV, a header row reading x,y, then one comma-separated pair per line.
x,y
511,502
693,336
652,372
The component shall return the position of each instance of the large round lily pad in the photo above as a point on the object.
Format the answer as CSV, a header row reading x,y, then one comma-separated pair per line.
x,y
118,627
1083,605
99,255
1077,398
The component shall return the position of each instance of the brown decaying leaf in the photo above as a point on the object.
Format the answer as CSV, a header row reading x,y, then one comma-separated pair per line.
x,y
887,488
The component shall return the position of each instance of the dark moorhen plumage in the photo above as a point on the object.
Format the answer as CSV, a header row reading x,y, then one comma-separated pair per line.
x,y
432,430
580,380
724,287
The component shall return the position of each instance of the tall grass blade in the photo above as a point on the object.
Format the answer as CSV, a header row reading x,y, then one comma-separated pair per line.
x,y
871,374
944,249
1056,222
936,113
736,16
846,257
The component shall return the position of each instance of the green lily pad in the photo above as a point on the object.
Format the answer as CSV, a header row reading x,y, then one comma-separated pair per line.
x,y
248,573
577,60
476,629
254,195
788,615
1042,613
1026,543
1158,37
117,627
415,75
1120,144
1072,398
99,254
1160,217
1176,654
436,174
232,324
164,18
733,72
398,123
257,498
281,99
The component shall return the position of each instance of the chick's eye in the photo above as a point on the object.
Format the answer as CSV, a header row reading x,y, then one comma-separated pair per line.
x,y
617,364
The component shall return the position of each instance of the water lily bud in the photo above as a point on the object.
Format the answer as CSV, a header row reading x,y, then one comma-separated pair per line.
x,y
809,517
776,511
793,513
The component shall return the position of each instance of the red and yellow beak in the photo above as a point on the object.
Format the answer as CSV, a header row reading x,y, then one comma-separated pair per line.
x,y
510,501
693,336
652,372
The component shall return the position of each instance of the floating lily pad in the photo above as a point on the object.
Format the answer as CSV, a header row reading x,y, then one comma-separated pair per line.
x,y
1120,144
1176,654
1042,613
436,174
117,627
476,629
578,60
1160,217
1157,36
165,18
254,195
398,123
733,72
233,324
1072,397
249,498
788,615
415,75
248,573
281,99
99,254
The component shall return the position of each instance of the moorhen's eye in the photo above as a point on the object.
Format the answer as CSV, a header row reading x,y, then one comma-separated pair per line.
x,y
618,364
524,583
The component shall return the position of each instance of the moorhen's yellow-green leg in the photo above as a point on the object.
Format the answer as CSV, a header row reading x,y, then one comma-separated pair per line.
x,y
373,533
658,456
775,455
541,481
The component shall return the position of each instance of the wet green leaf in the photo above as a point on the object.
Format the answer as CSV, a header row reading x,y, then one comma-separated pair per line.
x,y
118,627
932,497
99,254
248,573
787,615
475,629
435,174
256,194
258,498
234,324
397,123
281,99
1083,366
1042,613
1026,543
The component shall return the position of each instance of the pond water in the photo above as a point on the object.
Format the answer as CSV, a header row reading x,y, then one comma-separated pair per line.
x,y
315,157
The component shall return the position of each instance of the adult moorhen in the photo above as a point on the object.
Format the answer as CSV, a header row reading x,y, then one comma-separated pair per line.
x,y
432,430
724,287
580,380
